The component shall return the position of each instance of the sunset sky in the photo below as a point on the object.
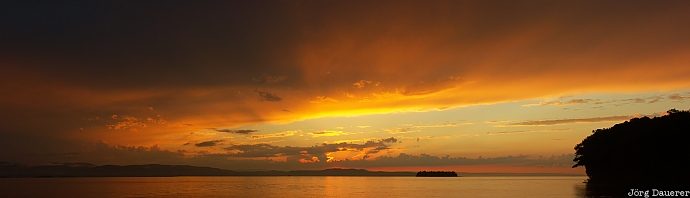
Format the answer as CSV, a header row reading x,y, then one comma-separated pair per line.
x,y
470,86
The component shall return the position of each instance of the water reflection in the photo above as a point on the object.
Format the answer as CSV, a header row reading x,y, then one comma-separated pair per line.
x,y
584,190
287,186
607,190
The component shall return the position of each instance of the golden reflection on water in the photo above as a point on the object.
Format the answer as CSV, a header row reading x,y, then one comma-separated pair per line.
x,y
286,186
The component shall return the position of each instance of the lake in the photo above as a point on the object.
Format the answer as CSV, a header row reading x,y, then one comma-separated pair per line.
x,y
302,186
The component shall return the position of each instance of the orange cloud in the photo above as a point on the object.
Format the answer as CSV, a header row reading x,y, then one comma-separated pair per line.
x,y
315,60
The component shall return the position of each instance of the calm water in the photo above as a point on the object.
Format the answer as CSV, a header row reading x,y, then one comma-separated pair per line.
x,y
294,187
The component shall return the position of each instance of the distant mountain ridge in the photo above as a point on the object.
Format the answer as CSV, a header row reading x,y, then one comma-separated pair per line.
x,y
9,170
436,174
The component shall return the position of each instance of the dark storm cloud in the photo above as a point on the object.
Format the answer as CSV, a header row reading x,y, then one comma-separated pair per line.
x,y
267,96
268,79
197,43
208,143
238,131
267,150
151,44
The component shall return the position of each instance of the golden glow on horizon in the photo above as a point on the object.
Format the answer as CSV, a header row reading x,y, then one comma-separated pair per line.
x,y
444,79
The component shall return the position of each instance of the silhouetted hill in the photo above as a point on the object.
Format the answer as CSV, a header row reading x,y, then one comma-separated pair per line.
x,y
89,170
640,152
436,174
348,172
326,172
157,170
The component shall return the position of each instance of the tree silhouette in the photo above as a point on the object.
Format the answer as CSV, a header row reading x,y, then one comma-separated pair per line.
x,y
639,152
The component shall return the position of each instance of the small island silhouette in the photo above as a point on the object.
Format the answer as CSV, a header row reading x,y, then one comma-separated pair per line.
x,y
436,174
641,152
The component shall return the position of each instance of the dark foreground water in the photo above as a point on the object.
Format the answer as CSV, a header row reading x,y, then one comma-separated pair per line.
x,y
294,187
